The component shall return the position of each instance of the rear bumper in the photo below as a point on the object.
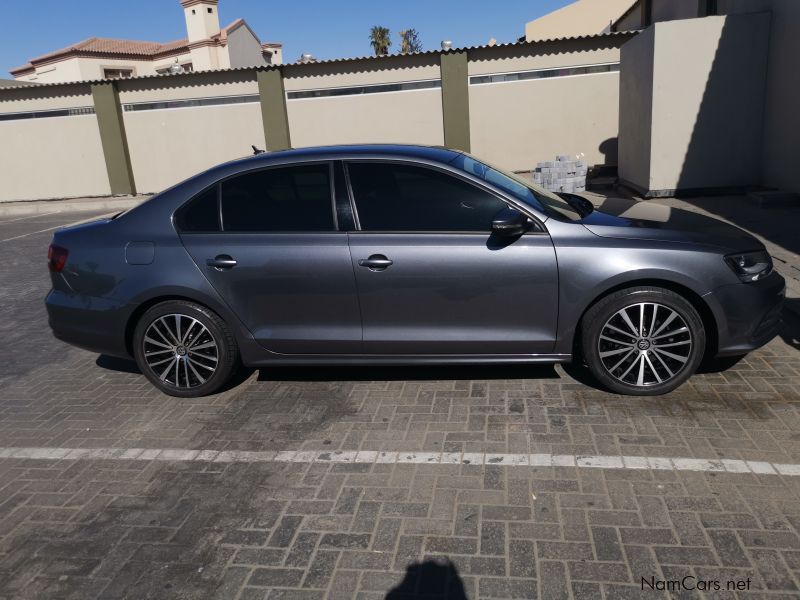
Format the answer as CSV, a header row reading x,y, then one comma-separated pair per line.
x,y
748,314
94,324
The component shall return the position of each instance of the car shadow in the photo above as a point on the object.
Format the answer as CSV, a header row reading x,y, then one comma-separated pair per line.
x,y
577,370
790,327
123,365
120,365
407,373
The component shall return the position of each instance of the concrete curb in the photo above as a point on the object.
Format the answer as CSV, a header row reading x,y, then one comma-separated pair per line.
x,y
110,203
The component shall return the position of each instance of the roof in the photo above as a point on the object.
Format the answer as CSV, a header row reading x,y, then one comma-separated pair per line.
x,y
107,47
15,83
581,17
436,153
615,37
130,49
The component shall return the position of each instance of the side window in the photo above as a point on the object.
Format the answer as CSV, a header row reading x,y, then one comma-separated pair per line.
x,y
279,199
200,215
397,197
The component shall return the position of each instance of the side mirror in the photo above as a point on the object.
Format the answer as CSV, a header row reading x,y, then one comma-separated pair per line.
x,y
510,222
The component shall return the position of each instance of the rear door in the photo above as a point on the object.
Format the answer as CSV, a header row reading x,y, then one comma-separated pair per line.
x,y
431,277
268,242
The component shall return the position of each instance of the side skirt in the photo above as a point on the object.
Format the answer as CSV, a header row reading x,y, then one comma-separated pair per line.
x,y
399,360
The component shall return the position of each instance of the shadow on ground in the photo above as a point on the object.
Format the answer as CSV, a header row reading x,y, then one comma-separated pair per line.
x,y
120,365
577,370
790,327
431,580
411,373
777,225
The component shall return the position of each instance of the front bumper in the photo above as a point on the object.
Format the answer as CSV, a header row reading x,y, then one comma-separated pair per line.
x,y
94,324
748,315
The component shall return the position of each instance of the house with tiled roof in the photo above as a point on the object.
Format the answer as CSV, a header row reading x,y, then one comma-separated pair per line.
x,y
206,47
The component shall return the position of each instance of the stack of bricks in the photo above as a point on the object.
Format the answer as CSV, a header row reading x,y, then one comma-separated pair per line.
x,y
564,174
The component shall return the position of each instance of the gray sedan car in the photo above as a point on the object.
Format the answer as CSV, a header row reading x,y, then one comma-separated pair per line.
x,y
398,255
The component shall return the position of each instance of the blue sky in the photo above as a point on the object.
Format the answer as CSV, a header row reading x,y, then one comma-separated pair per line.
x,y
325,29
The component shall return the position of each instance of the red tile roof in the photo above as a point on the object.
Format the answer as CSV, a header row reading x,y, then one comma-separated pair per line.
x,y
131,49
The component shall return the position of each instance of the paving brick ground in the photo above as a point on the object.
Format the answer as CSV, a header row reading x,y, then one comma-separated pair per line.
x,y
193,529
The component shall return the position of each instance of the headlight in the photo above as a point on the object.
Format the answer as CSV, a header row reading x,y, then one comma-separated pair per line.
x,y
750,266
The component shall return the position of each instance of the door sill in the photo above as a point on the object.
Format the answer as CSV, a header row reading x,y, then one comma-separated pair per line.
x,y
402,359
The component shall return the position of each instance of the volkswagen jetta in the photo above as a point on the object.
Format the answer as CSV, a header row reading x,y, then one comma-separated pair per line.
x,y
387,254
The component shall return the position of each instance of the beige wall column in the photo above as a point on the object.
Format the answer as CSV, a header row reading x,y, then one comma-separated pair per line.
x,y
113,138
681,129
455,100
273,109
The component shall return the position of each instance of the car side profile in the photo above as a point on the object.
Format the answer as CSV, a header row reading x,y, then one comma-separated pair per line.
x,y
398,255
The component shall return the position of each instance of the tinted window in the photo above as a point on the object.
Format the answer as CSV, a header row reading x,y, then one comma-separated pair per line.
x,y
201,214
281,199
395,197
527,191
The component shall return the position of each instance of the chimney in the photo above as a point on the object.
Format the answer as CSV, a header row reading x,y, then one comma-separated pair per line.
x,y
202,19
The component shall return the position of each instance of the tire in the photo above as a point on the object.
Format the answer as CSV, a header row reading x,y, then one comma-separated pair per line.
x,y
655,361
163,342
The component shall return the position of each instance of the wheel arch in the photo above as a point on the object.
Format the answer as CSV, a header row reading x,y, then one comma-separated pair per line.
x,y
144,304
696,300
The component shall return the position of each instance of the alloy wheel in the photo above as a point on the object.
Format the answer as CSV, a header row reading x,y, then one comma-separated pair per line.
x,y
645,344
180,351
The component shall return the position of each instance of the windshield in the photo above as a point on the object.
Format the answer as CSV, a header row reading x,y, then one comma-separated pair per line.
x,y
526,191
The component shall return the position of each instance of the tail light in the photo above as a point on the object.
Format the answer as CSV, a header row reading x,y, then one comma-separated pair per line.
x,y
56,258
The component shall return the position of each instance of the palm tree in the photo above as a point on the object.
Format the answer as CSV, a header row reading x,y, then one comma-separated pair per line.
x,y
379,40
409,41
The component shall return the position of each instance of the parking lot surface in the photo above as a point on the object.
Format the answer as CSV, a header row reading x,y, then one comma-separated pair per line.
x,y
490,482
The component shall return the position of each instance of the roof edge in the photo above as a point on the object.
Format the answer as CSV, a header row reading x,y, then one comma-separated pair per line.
x,y
520,44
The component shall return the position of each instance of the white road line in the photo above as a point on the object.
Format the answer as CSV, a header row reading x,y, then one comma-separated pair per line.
x,y
724,465
56,227
55,212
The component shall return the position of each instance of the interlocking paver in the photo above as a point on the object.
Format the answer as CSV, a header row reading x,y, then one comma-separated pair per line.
x,y
156,523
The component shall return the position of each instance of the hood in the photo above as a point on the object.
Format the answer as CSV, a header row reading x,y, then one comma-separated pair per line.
x,y
643,220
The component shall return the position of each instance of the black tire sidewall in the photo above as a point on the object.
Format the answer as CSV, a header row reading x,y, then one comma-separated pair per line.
x,y
228,351
601,312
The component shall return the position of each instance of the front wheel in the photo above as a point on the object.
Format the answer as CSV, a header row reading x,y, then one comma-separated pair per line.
x,y
643,341
185,349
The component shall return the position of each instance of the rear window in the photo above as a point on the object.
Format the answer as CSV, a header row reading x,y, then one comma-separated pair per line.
x,y
200,215
280,199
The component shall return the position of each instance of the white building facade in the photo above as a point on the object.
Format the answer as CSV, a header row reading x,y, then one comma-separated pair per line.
x,y
207,47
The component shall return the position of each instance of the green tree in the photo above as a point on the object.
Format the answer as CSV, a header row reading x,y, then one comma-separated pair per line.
x,y
409,41
379,40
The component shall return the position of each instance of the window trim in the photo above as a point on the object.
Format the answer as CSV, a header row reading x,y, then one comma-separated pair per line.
x,y
537,229
544,73
342,196
131,69
218,183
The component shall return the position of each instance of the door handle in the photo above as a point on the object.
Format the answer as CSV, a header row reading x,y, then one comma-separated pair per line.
x,y
376,262
221,262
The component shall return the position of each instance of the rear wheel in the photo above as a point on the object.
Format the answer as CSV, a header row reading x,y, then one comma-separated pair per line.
x,y
643,341
185,349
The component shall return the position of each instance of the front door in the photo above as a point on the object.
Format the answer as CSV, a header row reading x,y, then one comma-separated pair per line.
x,y
278,259
431,278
